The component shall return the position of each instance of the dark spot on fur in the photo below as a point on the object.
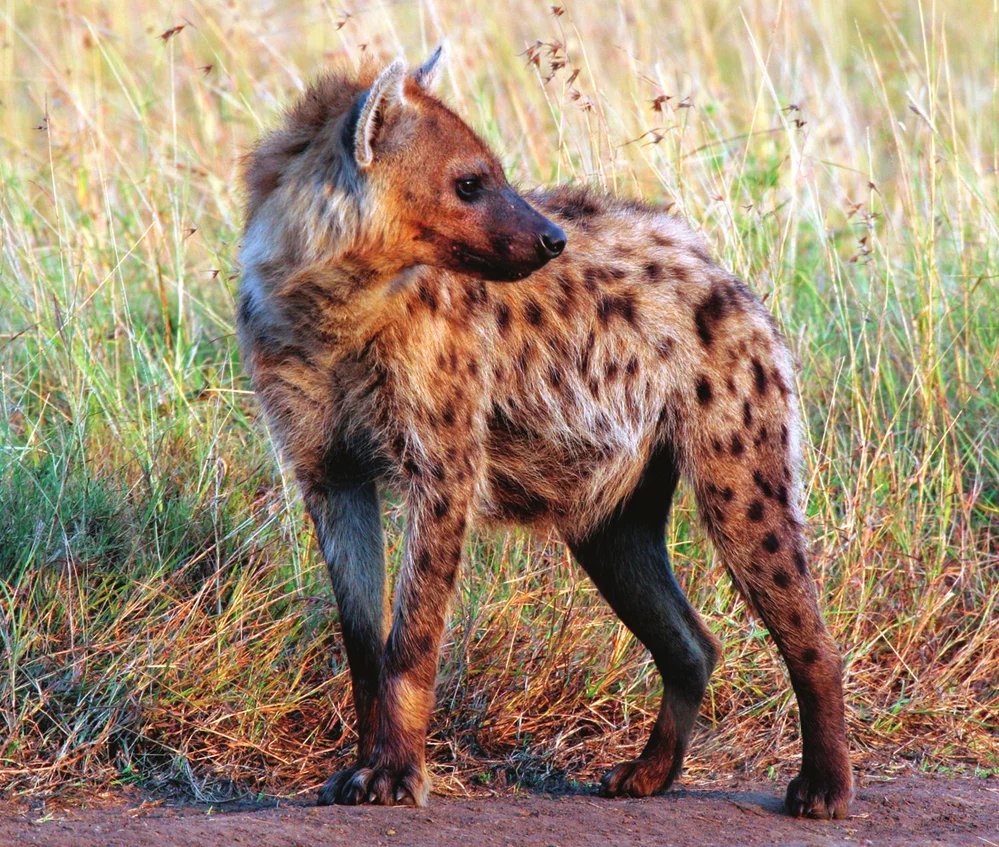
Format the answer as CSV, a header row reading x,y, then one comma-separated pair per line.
x,y
567,301
429,298
604,307
800,563
665,347
559,347
475,298
590,280
533,313
632,367
810,656
624,305
526,353
759,377
610,371
717,445
653,272
447,416
423,561
730,385
761,437
783,435
583,365
594,386
771,543
755,512
727,494
617,273
781,579
704,391
710,312
782,494
503,317
747,414
795,620
762,484
555,377
737,445
442,507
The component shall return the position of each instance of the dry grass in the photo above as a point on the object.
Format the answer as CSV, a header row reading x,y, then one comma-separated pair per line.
x,y
165,617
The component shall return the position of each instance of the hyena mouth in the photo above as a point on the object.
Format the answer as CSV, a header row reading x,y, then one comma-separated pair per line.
x,y
488,268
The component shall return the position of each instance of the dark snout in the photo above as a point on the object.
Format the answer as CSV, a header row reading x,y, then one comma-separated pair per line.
x,y
523,240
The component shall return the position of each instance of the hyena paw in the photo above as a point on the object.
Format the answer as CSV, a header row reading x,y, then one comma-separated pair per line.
x,y
385,785
824,796
637,778
332,792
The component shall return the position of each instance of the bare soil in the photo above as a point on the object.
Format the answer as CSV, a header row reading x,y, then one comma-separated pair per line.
x,y
910,810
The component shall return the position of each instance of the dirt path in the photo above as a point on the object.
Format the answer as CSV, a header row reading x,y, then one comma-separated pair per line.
x,y
911,810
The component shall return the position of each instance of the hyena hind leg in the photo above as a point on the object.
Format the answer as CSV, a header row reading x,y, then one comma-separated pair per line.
x,y
745,496
348,523
626,558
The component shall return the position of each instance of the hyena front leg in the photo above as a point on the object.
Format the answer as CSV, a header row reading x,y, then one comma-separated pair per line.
x,y
745,471
439,504
348,523
626,557
337,479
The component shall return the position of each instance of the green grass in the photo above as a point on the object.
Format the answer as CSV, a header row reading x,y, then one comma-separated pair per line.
x,y
164,615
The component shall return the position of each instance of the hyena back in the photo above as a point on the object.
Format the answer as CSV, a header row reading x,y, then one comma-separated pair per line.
x,y
409,320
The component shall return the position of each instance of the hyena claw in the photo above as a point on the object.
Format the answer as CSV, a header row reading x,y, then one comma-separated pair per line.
x,y
818,798
637,778
332,793
387,786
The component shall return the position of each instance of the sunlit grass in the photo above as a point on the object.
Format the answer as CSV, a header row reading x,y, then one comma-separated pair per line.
x,y
164,614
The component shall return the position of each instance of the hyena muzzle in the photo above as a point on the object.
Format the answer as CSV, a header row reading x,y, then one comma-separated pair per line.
x,y
556,360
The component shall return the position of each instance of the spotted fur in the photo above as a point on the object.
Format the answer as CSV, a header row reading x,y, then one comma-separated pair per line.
x,y
385,352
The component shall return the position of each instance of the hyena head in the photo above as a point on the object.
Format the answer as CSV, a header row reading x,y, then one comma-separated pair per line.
x,y
375,166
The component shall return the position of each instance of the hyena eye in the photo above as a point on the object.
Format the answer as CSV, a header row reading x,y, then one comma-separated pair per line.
x,y
468,187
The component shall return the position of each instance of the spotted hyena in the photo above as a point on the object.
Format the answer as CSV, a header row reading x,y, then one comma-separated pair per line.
x,y
556,360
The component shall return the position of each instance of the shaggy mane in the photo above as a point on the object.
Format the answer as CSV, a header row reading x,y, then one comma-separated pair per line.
x,y
331,94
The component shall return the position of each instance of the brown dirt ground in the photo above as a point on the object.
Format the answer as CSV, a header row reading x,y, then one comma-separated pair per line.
x,y
910,810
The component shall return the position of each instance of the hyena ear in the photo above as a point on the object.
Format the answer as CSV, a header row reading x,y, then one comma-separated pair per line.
x,y
385,93
428,75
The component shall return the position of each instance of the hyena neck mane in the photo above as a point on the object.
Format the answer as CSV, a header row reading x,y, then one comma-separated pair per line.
x,y
317,230
303,204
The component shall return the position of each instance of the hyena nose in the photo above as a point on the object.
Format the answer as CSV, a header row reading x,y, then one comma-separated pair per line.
x,y
551,243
